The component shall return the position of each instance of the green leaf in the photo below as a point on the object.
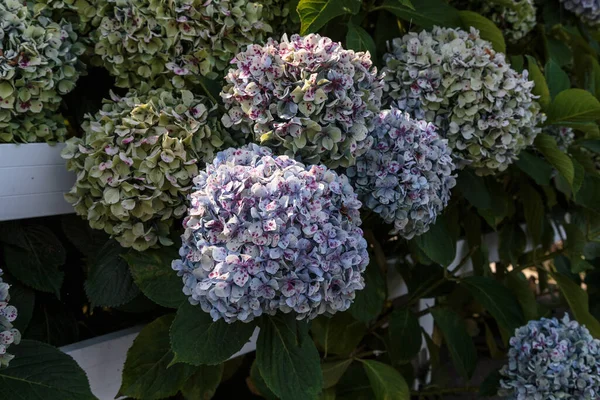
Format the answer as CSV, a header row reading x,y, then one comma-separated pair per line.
x,y
203,384
23,299
489,387
147,373
197,340
152,273
541,87
458,341
211,88
32,255
547,146
314,14
573,106
473,188
437,244
369,301
557,79
487,29
333,372
578,301
387,383
533,208
288,359
559,51
259,383
512,243
354,384
587,195
339,334
590,144
425,13
40,371
358,39
405,335
497,300
53,323
109,283
519,286
86,239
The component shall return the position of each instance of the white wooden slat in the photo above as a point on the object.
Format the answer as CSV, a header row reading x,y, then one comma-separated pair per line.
x,y
22,155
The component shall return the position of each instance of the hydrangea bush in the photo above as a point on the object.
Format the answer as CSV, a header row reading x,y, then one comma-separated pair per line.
x,y
406,176
586,10
307,97
8,335
136,162
552,359
46,127
455,80
266,233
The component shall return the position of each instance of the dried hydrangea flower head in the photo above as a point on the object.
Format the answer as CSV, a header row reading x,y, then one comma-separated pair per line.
x,y
516,18
8,335
564,136
266,233
307,97
172,43
136,162
455,80
550,360
406,176
46,127
38,60
586,10
82,14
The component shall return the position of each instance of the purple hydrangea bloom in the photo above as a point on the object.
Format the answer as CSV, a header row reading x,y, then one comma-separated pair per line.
x,y
587,10
550,360
407,175
307,96
266,233
8,335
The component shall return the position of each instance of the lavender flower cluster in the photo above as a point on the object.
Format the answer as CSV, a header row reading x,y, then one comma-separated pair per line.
x,y
406,177
455,80
265,233
587,10
8,335
306,96
550,360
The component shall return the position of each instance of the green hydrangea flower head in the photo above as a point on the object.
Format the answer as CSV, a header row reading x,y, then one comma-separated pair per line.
x,y
136,162
46,127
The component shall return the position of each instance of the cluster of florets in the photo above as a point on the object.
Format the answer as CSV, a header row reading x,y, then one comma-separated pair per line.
x,y
516,18
8,335
455,80
136,162
38,60
406,176
551,360
307,97
172,43
46,127
586,10
564,136
265,233
82,14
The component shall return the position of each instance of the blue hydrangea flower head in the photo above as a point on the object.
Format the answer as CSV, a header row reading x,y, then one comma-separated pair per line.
x,y
550,360
407,175
267,234
586,10
8,335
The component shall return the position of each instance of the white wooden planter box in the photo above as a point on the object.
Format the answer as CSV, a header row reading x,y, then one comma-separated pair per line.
x,y
33,179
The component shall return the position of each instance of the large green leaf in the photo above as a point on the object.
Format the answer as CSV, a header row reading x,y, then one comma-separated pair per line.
x,y
339,334
473,188
259,383
358,39
578,301
203,384
557,79
109,283
386,382
533,208
487,29
519,286
587,195
425,13
197,340
459,343
333,372
534,166
405,335
147,374
288,359
490,385
541,87
512,242
497,299
573,106
314,14
437,244
52,322
546,144
152,273
40,371
369,301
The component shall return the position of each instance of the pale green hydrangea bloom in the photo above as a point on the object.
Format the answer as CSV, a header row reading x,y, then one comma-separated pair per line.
x,y
46,127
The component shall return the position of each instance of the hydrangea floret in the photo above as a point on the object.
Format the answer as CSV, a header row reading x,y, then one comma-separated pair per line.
x,y
456,80
175,42
267,234
407,175
307,97
82,14
38,60
136,162
564,136
586,10
8,334
552,359
46,127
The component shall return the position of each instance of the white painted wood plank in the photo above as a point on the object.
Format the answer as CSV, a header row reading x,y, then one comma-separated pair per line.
x,y
15,155
35,179
33,205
